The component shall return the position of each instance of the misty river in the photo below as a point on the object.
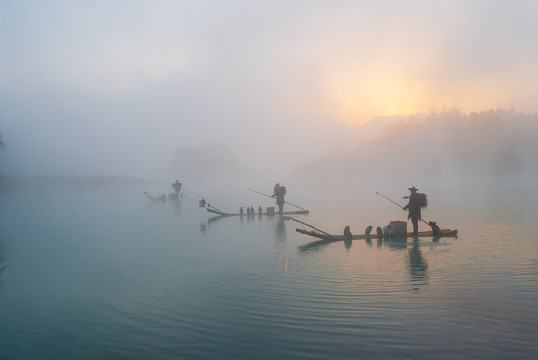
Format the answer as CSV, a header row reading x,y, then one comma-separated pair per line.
x,y
108,274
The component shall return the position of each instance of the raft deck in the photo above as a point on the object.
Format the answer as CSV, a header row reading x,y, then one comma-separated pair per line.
x,y
316,234
276,213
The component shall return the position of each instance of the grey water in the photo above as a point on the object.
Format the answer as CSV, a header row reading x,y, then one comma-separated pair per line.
x,y
107,274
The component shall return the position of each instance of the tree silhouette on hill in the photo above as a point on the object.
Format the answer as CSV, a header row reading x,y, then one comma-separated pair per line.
x,y
490,143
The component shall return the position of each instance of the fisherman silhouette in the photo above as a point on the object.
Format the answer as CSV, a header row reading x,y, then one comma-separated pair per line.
x,y
417,201
177,187
279,192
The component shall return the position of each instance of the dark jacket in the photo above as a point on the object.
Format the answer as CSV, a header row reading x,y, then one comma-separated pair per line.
x,y
279,193
416,201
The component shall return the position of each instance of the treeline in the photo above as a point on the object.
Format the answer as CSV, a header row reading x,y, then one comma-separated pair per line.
x,y
489,143
68,182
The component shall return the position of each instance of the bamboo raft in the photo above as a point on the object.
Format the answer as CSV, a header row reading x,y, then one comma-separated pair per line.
x,y
276,213
319,235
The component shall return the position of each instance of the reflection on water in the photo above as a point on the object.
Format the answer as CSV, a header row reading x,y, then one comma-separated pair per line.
x,y
176,205
418,267
285,263
397,243
203,227
133,280
212,220
417,264
280,230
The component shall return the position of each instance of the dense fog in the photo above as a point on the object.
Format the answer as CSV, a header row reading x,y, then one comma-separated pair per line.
x,y
231,95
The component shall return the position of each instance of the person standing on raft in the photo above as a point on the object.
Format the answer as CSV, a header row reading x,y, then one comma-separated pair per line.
x,y
417,201
279,192
177,187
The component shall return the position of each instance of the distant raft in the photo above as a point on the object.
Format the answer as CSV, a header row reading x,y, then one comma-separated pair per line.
x,y
268,212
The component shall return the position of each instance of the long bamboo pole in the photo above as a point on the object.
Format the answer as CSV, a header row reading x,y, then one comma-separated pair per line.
x,y
287,202
401,207
434,226
302,222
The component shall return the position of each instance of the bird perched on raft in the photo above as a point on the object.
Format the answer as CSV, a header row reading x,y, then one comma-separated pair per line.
x,y
347,233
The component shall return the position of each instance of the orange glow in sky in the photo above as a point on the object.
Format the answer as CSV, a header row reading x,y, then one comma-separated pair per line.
x,y
356,97
408,84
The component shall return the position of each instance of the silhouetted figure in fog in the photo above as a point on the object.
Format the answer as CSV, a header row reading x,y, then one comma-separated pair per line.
x,y
417,201
177,187
241,211
279,192
368,230
252,212
248,211
347,233
379,232
348,237
260,211
436,230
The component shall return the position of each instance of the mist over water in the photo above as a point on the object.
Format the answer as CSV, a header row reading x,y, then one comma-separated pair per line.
x,y
102,104
122,276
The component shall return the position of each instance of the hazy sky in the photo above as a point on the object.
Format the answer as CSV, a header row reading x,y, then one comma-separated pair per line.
x,y
115,87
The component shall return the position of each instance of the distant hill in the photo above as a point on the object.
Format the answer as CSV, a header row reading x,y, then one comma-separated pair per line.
x,y
375,127
491,143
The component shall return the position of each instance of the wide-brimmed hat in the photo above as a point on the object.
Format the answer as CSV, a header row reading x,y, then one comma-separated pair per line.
x,y
412,188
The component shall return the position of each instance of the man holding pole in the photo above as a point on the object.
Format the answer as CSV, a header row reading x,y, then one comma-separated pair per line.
x,y
177,187
279,192
416,202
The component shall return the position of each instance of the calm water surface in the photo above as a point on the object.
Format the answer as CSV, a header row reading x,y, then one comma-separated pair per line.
x,y
105,274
